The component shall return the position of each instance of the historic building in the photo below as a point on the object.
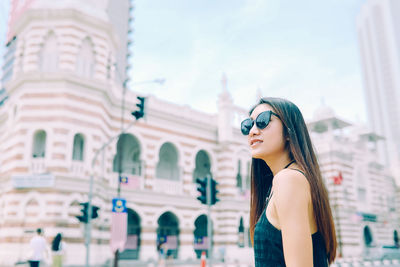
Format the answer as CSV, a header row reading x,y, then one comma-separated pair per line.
x,y
362,191
64,103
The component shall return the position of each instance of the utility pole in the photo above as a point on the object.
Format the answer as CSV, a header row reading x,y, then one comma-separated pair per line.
x,y
209,229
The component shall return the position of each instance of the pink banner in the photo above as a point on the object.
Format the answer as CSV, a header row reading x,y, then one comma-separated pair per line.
x,y
172,242
131,242
119,223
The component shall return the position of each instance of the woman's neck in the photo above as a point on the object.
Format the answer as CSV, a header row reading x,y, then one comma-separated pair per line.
x,y
276,164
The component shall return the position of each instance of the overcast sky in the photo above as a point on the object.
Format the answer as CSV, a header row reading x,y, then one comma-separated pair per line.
x,y
305,51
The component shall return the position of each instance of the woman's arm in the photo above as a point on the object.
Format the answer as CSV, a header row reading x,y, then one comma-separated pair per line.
x,y
292,199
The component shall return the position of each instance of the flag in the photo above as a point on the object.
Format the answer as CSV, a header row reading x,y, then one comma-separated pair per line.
x,y
201,243
131,182
131,242
357,217
337,180
119,225
172,242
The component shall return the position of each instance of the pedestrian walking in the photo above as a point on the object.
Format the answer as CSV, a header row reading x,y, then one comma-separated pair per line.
x,y
58,249
162,254
290,216
39,249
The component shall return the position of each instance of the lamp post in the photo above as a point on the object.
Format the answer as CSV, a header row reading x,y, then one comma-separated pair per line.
x,y
120,141
88,227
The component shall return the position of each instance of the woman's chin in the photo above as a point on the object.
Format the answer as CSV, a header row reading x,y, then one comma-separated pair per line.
x,y
256,155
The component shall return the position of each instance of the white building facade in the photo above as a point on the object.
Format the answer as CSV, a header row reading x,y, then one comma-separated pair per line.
x,y
363,193
64,104
378,27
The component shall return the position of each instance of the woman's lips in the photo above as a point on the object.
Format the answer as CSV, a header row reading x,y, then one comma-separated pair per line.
x,y
255,142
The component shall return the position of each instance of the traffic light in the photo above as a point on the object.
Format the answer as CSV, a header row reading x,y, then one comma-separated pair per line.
x,y
214,192
202,188
94,212
139,113
84,217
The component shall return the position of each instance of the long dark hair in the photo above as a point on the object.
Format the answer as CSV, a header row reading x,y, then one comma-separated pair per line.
x,y
55,245
300,150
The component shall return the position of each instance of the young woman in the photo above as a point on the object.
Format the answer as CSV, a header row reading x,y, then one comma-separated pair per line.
x,y
58,248
290,217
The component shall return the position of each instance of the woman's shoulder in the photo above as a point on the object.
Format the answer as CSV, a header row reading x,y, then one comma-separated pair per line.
x,y
290,177
290,182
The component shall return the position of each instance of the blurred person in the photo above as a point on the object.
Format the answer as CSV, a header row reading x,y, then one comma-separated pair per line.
x,y
58,248
39,249
290,216
162,253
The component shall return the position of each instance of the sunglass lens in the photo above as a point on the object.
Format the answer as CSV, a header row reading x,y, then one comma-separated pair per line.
x,y
262,120
246,126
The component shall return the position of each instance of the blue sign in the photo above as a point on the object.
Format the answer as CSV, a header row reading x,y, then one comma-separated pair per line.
x,y
123,180
119,205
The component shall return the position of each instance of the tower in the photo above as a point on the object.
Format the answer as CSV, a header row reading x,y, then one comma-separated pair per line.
x,y
379,40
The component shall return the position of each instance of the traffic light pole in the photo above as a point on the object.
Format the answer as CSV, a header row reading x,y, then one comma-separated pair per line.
x,y
88,227
209,229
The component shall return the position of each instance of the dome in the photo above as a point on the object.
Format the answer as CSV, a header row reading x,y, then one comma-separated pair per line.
x,y
323,112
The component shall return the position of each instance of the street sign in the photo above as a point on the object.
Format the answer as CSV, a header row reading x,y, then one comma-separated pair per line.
x,y
119,205
33,181
119,225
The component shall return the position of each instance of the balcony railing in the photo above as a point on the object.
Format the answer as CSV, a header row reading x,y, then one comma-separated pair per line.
x,y
38,165
77,168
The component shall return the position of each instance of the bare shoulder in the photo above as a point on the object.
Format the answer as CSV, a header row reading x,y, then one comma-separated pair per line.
x,y
289,178
291,184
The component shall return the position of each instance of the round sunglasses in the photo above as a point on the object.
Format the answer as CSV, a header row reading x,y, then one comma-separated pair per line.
x,y
261,121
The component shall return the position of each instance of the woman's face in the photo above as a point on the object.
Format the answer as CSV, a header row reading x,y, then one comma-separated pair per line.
x,y
268,142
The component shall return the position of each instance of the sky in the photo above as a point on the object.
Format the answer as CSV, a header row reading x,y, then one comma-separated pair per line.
x,y
305,51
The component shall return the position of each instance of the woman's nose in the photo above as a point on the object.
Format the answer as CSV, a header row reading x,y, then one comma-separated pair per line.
x,y
254,130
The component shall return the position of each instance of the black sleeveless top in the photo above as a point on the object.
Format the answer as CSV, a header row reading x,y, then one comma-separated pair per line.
x,y
268,248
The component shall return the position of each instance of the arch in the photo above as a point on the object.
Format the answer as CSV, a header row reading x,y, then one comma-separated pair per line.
x,y
133,241
239,180
39,144
127,159
168,232
167,166
368,238
48,57
201,235
78,147
202,165
85,61
241,233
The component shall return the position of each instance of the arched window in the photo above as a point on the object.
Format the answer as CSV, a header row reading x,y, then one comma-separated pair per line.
x,y
168,232
79,144
167,166
368,239
39,144
203,165
85,61
127,159
49,54
241,233
239,175
248,175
